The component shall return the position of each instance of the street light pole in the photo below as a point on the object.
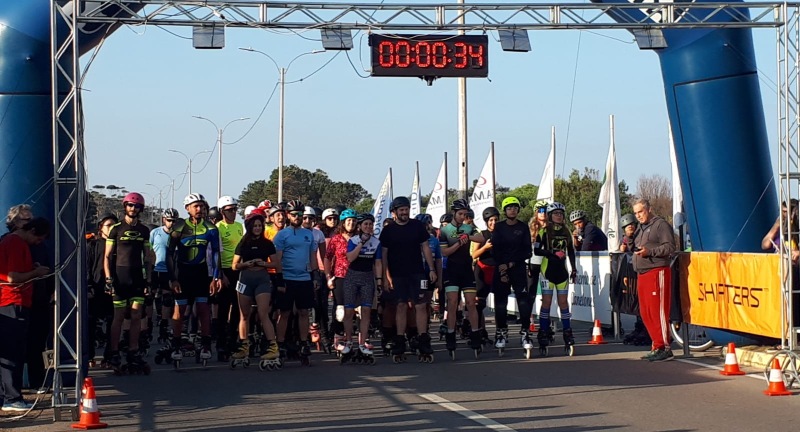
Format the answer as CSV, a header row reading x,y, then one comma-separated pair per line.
x,y
189,159
282,113
220,131
172,180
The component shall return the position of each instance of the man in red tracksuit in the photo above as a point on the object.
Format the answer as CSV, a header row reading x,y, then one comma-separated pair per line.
x,y
653,245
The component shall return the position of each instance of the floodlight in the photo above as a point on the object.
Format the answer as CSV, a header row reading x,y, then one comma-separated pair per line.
x,y
515,40
208,37
337,39
649,38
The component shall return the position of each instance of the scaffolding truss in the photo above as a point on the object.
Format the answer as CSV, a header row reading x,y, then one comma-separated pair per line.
x,y
68,147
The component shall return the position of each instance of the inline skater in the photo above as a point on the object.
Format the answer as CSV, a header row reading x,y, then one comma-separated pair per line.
x,y
336,265
253,255
188,270
159,241
402,242
127,268
455,239
101,308
320,324
511,246
485,266
277,217
230,234
364,255
555,245
296,249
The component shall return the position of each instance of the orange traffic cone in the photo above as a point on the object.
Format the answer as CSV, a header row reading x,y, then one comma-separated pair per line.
x,y
731,363
597,334
90,416
776,385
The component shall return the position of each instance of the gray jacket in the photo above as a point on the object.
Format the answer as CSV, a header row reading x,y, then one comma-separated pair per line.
x,y
657,237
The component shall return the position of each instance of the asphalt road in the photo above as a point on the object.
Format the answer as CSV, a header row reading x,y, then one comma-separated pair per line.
x,y
602,387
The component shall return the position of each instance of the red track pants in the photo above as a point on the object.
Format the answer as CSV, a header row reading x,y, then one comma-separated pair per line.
x,y
654,288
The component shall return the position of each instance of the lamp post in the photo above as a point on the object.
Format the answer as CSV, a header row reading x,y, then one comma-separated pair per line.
x,y
160,194
282,76
220,131
172,180
189,160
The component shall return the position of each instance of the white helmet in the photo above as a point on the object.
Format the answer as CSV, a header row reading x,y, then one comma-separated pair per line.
x,y
193,198
329,212
309,211
249,209
227,201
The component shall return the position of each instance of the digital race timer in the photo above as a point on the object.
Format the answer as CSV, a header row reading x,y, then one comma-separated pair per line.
x,y
430,55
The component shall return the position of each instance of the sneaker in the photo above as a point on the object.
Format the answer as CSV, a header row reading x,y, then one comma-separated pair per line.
x,y
662,355
648,356
18,406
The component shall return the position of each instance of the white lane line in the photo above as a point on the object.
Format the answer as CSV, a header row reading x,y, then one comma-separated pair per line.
x,y
757,376
472,415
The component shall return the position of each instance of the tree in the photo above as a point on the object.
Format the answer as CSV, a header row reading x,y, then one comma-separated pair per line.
x,y
658,190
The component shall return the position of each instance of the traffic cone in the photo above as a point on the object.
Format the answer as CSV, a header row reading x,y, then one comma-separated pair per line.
x,y
776,385
731,363
597,334
90,416
532,327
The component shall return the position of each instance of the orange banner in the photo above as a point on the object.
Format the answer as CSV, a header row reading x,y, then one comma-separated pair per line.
x,y
732,291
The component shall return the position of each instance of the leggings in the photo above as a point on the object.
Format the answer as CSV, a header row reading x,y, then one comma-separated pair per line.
x,y
517,278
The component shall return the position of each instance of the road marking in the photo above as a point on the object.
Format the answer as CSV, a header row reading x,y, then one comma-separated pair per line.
x,y
472,415
757,376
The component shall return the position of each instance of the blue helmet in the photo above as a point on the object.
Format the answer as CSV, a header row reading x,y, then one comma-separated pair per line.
x,y
424,218
348,214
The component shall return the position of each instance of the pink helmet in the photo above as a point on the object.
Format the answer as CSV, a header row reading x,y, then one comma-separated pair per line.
x,y
134,197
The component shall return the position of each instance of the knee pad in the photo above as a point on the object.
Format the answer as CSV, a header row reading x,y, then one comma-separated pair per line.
x,y
340,313
168,299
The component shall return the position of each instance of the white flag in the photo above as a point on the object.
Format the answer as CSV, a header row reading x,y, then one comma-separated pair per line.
x,y
609,196
677,192
416,203
483,195
437,205
547,189
381,209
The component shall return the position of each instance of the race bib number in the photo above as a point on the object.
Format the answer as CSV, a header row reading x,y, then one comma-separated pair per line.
x,y
424,284
240,287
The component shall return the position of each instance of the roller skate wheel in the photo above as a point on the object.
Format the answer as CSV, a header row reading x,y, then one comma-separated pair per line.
x,y
372,361
452,354
263,365
205,363
570,350
477,354
279,365
233,364
528,353
176,364
430,358
500,352
246,362
543,351
342,360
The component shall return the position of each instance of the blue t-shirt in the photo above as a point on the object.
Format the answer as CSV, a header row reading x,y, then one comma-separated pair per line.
x,y
369,253
436,251
159,241
296,244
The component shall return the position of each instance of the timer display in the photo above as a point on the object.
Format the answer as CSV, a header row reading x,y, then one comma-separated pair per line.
x,y
430,55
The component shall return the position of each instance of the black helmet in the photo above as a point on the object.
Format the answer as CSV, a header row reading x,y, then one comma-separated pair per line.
x,y
424,218
446,218
106,216
489,212
365,217
279,207
470,214
459,204
626,220
214,214
295,206
400,201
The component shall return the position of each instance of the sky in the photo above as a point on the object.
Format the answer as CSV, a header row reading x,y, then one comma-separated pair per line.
x,y
146,84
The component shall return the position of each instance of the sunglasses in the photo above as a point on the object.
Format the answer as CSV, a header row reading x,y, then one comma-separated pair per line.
x,y
330,218
170,220
229,209
309,217
296,214
136,206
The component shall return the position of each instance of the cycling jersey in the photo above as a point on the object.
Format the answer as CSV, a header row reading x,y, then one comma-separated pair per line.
x,y
296,244
129,243
450,235
159,241
370,251
192,240
229,234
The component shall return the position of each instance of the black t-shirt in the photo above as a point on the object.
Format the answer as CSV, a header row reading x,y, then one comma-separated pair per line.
x,y
403,243
511,242
130,243
257,248
487,257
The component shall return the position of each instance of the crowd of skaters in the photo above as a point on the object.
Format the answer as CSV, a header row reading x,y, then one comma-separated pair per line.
x,y
287,259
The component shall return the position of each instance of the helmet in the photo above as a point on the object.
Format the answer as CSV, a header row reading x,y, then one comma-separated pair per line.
x,y
257,212
193,198
488,212
364,217
577,215
170,213
277,208
227,201
446,218
309,211
329,212
424,218
134,197
459,204
509,201
400,201
540,204
266,204
470,214
348,214
249,209
105,217
317,211
214,214
295,206
626,219
553,206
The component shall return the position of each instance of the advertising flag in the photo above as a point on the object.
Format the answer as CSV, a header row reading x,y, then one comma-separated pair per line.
x,y
483,195
381,209
609,195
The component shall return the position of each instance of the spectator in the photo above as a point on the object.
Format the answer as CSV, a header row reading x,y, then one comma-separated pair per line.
x,y
586,236
653,246
773,240
18,216
628,224
100,307
17,270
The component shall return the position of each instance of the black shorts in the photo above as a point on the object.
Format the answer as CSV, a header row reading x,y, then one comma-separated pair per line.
x,y
407,289
462,277
160,281
128,283
195,282
298,293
